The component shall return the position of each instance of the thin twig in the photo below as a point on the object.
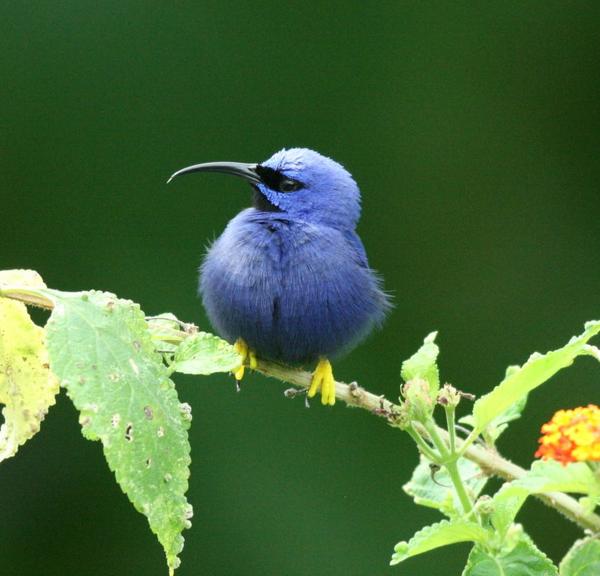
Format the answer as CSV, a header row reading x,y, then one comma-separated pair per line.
x,y
488,459
353,395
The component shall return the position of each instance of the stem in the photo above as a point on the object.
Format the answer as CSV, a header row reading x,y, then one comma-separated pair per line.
x,y
463,496
31,297
438,441
452,463
449,457
450,427
423,446
467,442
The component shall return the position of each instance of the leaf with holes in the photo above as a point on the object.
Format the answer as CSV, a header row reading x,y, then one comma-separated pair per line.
x,y
27,387
101,350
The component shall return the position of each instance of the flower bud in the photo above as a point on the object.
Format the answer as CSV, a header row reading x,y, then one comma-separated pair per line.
x,y
448,396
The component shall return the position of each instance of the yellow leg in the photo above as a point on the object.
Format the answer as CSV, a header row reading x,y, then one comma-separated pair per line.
x,y
323,380
247,356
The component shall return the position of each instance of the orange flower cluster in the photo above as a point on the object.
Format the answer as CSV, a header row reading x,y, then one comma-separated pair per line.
x,y
572,436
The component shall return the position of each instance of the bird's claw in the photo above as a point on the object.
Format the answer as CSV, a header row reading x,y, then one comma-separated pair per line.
x,y
323,380
248,356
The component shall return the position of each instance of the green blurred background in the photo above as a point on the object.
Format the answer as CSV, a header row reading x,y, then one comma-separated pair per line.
x,y
473,129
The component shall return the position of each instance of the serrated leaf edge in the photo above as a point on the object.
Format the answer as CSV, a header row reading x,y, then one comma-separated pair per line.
x,y
472,532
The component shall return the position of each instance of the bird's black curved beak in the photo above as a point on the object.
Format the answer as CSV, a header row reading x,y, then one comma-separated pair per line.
x,y
245,171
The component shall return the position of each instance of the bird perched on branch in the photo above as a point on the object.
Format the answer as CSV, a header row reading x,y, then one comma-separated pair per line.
x,y
288,280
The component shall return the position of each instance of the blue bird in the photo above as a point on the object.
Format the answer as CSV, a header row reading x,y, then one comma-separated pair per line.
x,y
288,280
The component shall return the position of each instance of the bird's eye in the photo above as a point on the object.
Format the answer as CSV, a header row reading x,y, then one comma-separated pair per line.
x,y
275,180
288,185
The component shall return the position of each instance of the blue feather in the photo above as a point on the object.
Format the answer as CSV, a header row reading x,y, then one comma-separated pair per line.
x,y
290,275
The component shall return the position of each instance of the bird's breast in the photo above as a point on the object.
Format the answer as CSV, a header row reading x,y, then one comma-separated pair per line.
x,y
292,290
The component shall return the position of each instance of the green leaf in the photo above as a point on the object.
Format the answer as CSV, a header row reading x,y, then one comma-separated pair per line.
x,y
101,350
499,424
589,503
537,370
27,387
204,353
165,331
437,535
437,491
544,476
525,559
552,476
506,504
583,559
422,364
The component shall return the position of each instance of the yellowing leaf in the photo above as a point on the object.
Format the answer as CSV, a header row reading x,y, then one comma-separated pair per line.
x,y
27,387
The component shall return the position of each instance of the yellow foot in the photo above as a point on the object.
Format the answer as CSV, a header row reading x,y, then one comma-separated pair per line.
x,y
247,356
323,379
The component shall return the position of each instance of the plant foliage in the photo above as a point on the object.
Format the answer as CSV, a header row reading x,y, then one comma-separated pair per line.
x,y
116,365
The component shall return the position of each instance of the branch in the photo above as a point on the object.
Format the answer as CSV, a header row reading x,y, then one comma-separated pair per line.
x,y
487,459
491,462
353,395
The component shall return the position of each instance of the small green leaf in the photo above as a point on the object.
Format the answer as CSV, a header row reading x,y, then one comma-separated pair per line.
x,y
437,535
506,504
102,351
204,353
589,503
525,559
499,424
537,370
27,387
422,364
437,491
583,559
166,332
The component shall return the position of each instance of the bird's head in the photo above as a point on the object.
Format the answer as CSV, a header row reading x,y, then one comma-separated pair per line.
x,y
299,182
